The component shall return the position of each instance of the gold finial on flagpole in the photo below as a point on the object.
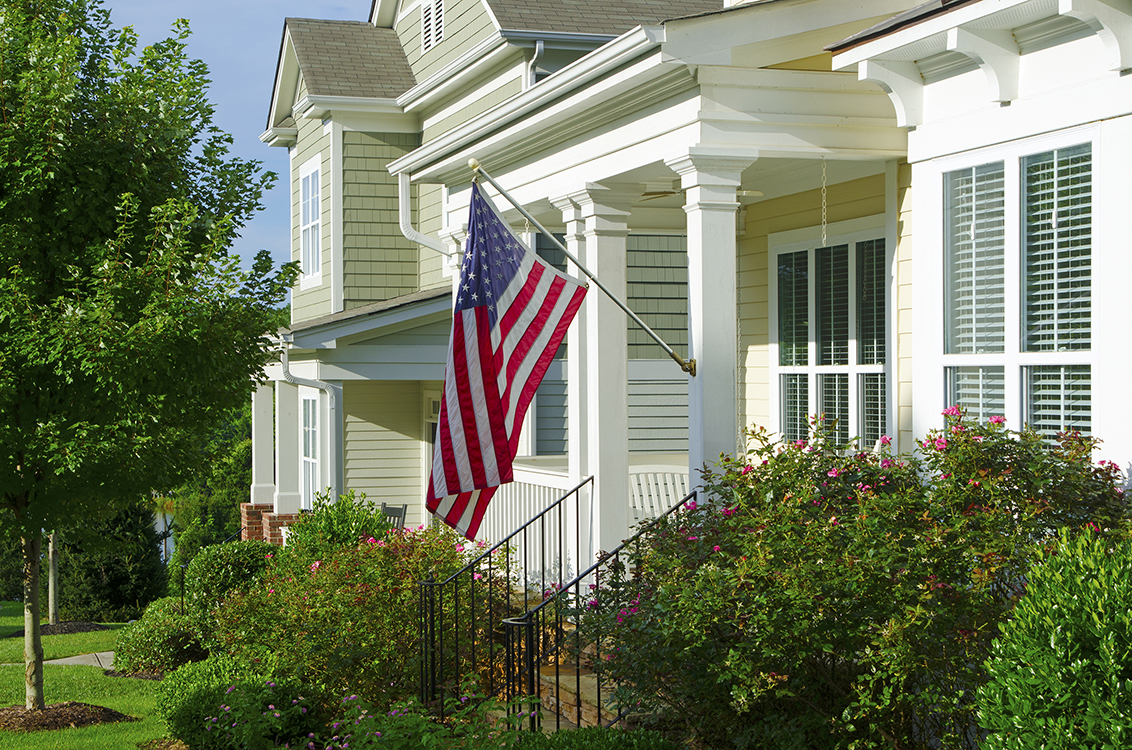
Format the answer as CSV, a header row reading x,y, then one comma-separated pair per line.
x,y
474,163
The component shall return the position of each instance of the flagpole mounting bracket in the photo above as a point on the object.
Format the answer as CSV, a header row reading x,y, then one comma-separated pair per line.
x,y
688,366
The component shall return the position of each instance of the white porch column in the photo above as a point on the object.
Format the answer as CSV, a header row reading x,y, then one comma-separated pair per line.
x,y
711,207
287,457
605,393
263,446
577,452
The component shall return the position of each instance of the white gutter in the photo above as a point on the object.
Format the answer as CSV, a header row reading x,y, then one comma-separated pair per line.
x,y
405,214
625,48
530,80
333,417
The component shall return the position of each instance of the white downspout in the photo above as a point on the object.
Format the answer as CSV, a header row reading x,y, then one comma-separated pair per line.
x,y
333,417
405,214
530,80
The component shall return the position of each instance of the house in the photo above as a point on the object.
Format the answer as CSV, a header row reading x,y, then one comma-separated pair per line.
x,y
787,190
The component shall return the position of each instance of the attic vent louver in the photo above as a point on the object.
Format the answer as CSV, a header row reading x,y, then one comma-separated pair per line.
x,y
432,23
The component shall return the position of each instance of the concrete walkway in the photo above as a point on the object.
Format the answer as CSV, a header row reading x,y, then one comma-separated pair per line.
x,y
104,659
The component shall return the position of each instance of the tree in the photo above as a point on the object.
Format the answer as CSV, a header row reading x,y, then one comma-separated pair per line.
x,y
126,329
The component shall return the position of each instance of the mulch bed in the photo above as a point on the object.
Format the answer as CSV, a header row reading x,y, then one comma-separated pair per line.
x,y
63,628
58,716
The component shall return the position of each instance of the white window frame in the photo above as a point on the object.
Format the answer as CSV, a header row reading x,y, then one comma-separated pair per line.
x,y
310,447
931,324
432,24
809,239
310,223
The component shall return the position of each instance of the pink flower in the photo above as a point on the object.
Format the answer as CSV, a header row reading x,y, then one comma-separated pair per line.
x,y
747,470
952,411
996,419
886,463
692,538
715,548
315,565
977,438
832,472
940,444
728,512
371,540
833,520
691,505
885,440
477,576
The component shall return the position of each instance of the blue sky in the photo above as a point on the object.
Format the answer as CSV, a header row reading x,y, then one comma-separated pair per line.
x,y
239,40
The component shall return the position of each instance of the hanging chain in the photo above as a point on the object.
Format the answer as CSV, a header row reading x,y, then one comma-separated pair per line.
x,y
823,201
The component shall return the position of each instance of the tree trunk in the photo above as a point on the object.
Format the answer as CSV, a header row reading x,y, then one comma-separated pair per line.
x,y
33,646
53,578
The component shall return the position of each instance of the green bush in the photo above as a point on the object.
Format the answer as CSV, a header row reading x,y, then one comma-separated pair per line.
x,y
161,641
113,569
219,571
189,696
349,620
820,597
1060,674
596,738
334,524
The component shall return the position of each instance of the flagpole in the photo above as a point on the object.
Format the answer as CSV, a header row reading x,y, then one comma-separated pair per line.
x,y
688,366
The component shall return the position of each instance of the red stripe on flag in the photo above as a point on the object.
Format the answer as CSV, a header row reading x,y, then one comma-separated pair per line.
x,y
496,416
465,390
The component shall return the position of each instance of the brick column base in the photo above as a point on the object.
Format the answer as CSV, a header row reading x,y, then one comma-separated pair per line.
x,y
273,525
251,518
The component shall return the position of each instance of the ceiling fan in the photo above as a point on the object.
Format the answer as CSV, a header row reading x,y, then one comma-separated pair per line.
x,y
651,195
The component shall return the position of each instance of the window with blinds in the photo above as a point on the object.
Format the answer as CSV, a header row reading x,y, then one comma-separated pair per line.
x,y
974,260
795,406
846,297
872,329
833,395
832,305
979,391
1058,398
1057,261
793,309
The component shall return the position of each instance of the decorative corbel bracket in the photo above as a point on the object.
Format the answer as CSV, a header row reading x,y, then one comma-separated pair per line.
x,y
1111,21
903,84
996,54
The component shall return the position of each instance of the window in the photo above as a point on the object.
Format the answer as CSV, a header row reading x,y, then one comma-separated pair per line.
x,y
310,221
1023,353
311,483
432,23
836,366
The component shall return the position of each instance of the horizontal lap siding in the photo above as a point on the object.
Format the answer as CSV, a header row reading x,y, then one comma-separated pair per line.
x,y
657,290
379,263
658,416
551,424
382,436
847,200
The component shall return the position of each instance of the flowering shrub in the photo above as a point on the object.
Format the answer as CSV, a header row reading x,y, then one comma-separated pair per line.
x,y
1060,675
191,693
345,622
826,597
335,524
263,714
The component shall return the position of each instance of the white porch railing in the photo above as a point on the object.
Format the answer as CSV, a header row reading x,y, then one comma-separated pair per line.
x,y
656,483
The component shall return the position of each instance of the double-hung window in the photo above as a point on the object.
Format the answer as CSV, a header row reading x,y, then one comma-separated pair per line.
x,y
310,479
830,314
310,222
1017,271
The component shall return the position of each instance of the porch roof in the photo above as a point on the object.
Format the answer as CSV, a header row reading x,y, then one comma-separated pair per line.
x,y
324,332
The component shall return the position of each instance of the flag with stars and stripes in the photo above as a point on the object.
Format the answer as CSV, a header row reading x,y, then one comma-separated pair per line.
x,y
512,311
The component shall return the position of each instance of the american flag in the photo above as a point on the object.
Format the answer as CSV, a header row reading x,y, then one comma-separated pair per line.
x,y
512,311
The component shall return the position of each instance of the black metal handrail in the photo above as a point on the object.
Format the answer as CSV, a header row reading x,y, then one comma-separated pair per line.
x,y
532,641
446,644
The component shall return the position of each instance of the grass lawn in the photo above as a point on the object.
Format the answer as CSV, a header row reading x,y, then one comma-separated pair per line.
x,y
86,685
54,646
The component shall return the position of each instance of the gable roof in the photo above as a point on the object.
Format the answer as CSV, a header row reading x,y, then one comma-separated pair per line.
x,y
350,58
593,16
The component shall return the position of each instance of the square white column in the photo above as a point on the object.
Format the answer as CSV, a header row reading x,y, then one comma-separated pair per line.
x,y
711,206
287,456
263,446
605,216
